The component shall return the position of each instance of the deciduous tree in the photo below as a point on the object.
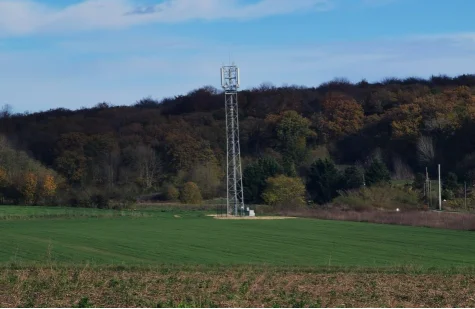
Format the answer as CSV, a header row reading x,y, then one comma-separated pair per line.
x,y
29,187
208,176
149,166
285,192
291,130
49,186
407,121
342,115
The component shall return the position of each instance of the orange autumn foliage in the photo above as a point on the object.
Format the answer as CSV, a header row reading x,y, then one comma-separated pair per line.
x,y
49,186
407,121
29,187
3,177
342,115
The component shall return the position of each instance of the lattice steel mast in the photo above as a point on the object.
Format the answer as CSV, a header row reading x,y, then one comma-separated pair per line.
x,y
235,196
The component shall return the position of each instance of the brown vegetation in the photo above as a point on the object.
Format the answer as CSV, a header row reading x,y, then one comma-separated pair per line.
x,y
233,287
191,194
444,220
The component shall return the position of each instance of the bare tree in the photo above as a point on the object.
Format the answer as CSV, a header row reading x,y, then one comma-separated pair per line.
x,y
425,149
375,155
6,111
112,166
402,171
149,165
208,178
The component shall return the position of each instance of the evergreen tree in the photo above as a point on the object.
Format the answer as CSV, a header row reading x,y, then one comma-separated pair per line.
x,y
419,181
352,178
323,181
255,176
451,182
377,173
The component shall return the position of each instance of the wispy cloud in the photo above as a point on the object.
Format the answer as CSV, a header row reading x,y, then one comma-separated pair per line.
x,y
22,17
36,80
377,2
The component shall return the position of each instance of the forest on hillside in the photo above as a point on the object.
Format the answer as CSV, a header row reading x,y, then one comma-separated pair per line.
x,y
318,141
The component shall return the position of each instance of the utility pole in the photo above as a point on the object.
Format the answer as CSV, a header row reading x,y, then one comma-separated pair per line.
x,y
465,193
427,188
440,191
430,194
427,191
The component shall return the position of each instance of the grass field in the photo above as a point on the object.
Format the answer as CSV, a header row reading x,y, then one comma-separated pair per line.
x,y
26,213
152,237
156,257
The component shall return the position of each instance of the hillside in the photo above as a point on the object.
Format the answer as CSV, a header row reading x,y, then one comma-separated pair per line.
x,y
150,146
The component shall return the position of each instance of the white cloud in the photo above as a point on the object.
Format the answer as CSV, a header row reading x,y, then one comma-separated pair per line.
x,y
38,80
21,17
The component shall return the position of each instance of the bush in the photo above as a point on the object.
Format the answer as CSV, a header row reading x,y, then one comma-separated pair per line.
x,y
379,197
283,191
458,204
99,200
172,193
190,194
75,198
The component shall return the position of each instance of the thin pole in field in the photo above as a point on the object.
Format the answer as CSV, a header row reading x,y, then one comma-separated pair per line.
x,y
440,192
465,193
431,201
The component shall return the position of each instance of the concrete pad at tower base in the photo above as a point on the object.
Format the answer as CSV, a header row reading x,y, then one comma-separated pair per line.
x,y
230,217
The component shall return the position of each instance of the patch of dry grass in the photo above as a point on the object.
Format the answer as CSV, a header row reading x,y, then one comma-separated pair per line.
x,y
232,287
443,220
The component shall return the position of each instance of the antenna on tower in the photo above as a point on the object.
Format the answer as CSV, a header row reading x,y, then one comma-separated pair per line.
x,y
230,81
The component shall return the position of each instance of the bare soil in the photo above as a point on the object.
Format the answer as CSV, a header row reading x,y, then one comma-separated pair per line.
x,y
251,218
231,287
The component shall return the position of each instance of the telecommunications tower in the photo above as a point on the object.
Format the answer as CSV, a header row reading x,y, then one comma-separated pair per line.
x,y
235,195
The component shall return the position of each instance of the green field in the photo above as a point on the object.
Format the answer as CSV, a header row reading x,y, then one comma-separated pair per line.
x,y
153,237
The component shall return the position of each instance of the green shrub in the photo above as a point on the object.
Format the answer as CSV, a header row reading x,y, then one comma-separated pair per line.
x,y
99,200
379,197
172,193
458,204
283,191
191,194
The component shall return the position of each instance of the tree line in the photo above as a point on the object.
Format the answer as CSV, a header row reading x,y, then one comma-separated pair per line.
x,y
318,140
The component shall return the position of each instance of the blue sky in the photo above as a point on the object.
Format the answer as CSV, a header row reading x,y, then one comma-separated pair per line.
x,y
75,53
